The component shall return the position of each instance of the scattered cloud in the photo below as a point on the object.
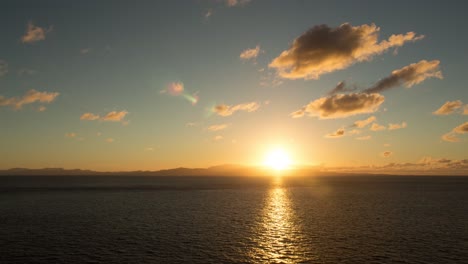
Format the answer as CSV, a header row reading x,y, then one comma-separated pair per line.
x,y
70,135
25,71
377,127
341,88
208,13
227,110
408,76
354,132
341,105
396,126
365,122
41,108
89,116
250,54
110,140
387,154
3,68
32,96
338,133
452,135
364,138
85,51
217,138
217,127
449,108
35,33
322,50
232,3
115,116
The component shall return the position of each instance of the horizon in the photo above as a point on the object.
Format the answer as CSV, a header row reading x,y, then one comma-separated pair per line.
x,y
196,84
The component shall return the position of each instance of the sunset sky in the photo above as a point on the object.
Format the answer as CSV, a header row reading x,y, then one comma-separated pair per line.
x,y
148,85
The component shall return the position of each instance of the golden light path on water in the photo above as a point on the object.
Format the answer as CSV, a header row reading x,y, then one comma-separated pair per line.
x,y
279,234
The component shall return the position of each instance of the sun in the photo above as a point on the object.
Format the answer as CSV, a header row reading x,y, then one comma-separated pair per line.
x,y
277,159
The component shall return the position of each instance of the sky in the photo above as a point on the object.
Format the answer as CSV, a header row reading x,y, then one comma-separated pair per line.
x,y
148,85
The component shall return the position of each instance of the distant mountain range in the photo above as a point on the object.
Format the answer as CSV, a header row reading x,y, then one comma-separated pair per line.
x,y
222,170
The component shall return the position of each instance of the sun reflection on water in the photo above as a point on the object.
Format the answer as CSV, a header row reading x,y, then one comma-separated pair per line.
x,y
279,235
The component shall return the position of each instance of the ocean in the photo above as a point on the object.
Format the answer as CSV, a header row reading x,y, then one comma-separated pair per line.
x,y
348,219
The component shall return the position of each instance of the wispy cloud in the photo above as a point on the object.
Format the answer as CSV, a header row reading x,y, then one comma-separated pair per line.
x,y
218,138
250,54
113,116
377,127
232,3
85,51
208,13
110,140
217,127
32,96
408,76
449,108
227,110
341,88
397,126
337,134
364,138
323,50
341,105
89,116
365,122
452,135
70,135
3,68
35,33
387,154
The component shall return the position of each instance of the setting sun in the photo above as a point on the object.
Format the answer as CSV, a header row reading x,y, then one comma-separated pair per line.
x,y
277,159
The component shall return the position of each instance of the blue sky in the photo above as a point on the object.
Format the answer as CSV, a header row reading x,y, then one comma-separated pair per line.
x,y
115,56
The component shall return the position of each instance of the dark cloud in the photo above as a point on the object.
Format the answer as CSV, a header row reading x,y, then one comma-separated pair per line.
x,y
341,88
341,105
323,50
408,76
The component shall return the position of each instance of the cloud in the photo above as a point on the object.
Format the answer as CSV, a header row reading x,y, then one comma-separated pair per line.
x,y
377,127
354,132
217,127
449,108
465,110
338,133
249,54
177,89
387,154
396,126
217,138
341,105
365,122
227,110
41,108
341,88
208,13
115,116
386,145
232,3
408,76
364,138
32,96
70,135
452,135
85,51
3,68
35,33
89,116
110,140
24,71
322,50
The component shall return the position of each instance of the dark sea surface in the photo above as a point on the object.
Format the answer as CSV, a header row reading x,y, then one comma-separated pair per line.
x,y
349,219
